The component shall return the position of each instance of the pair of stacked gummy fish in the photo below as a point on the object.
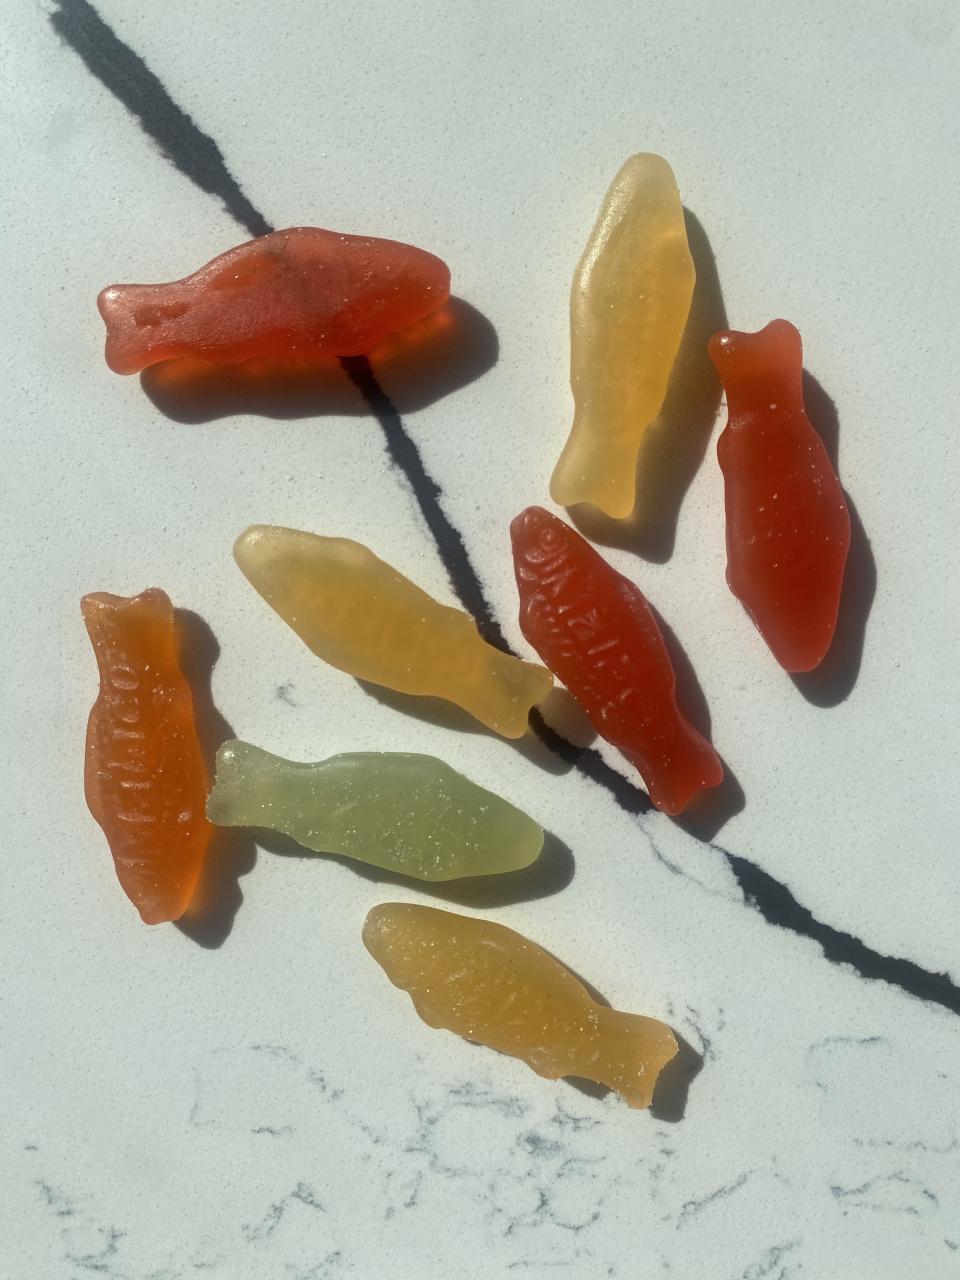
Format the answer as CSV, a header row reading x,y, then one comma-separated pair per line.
x,y
304,293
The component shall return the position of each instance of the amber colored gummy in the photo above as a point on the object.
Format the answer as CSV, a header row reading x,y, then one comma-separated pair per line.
x,y
628,308
495,987
145,777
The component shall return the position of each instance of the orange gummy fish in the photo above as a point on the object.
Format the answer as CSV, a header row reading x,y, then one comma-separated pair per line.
x,y
300,292
145,777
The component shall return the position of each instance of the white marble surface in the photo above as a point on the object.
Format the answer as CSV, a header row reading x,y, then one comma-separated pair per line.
x,y
271,1108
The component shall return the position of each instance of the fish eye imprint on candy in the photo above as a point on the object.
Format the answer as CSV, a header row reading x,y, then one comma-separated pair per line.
x,y
145,778
495,987
302,292
360,615
407,813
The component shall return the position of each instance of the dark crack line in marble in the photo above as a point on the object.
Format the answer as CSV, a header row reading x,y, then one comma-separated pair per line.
x,y
564,1119
930,1201
692,1207
550,1164
779,907
909,1148
860,1042
692,1020
62,1206
301,1194
771,1258
284,693
535,1145
58,1204
130,80
279,1052
99,1262
405,455
195,154
321,1270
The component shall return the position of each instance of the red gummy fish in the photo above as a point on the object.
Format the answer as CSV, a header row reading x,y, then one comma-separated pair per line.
x,y
596,633
788,528
299,292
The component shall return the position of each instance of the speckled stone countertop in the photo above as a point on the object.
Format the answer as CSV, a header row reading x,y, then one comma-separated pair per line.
x,y
246,1097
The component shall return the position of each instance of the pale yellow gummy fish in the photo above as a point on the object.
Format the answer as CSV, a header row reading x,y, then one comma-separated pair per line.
x,y
496,987
362,616
628,308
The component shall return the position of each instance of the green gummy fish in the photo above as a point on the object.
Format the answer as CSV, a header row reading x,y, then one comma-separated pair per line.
x,y
407,813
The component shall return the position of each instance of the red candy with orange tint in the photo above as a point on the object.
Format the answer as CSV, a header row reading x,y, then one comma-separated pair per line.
x,y
145,777
300,292
596,633
788,528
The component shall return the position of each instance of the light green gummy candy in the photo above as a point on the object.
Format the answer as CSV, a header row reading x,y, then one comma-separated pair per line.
x,y
407,813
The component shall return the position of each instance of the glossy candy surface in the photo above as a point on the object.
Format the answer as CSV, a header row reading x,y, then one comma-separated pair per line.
x,y
628,308
409,813
145,777
788,528
596,632
359,614
299,292
493,986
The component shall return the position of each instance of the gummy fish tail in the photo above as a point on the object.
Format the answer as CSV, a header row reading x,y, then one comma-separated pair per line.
x,y
116,305
118,624
633,1050
240,794
678,772
505,700
601,475
100,620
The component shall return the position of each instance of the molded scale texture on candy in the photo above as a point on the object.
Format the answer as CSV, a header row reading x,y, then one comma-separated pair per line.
x,y
628,309
493,986
788,527
596,633
299,292
145,778
359,614
408,813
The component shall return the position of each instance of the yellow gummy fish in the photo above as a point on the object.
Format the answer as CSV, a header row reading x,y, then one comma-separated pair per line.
x,y
496,987
628,307
362,616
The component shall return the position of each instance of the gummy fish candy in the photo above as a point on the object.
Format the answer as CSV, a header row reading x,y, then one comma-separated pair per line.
x,y
493,986
298,292
628,308
361,615
599,636
407,813
788,528
145,777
